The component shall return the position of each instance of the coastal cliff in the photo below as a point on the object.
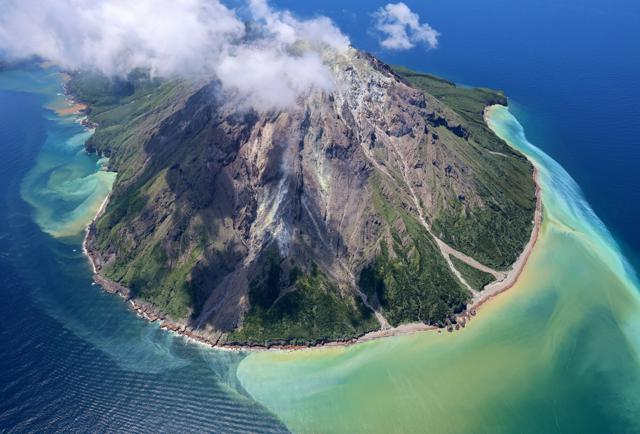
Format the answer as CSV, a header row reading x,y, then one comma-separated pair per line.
x,y
385,201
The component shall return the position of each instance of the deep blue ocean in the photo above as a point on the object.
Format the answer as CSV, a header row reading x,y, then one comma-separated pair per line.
x,y
75,359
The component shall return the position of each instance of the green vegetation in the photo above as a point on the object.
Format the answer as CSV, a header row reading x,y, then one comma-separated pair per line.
x,y
125,109
151,278
300,309
496,232
495,235
410,279
475,278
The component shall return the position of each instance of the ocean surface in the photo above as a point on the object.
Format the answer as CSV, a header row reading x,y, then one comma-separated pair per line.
x,y
559,352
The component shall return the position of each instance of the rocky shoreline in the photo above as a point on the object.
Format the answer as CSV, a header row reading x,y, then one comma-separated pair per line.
x,y
213,338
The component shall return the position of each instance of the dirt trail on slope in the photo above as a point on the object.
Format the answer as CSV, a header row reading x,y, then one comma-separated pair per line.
x,y
479,297
504,280
445,249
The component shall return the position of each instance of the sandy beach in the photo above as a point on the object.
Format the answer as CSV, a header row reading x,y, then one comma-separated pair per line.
x,y
75,108
72,106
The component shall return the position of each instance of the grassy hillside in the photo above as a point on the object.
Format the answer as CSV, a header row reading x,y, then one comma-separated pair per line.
x,y
128,112
311,310
409,279
475,278
495,233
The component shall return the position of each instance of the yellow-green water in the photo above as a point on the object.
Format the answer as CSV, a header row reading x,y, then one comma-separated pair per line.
x,y
556,353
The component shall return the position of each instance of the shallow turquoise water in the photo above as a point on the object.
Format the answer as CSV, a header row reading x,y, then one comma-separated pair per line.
x,y
66,186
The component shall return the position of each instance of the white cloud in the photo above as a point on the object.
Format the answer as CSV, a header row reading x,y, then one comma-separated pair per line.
x,y
272,78
177,37
319,31
400,28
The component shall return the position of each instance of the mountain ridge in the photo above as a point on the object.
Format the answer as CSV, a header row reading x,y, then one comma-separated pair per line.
x,y
317,224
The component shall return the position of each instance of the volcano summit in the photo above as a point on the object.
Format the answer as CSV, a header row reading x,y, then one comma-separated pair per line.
x,y
382,200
